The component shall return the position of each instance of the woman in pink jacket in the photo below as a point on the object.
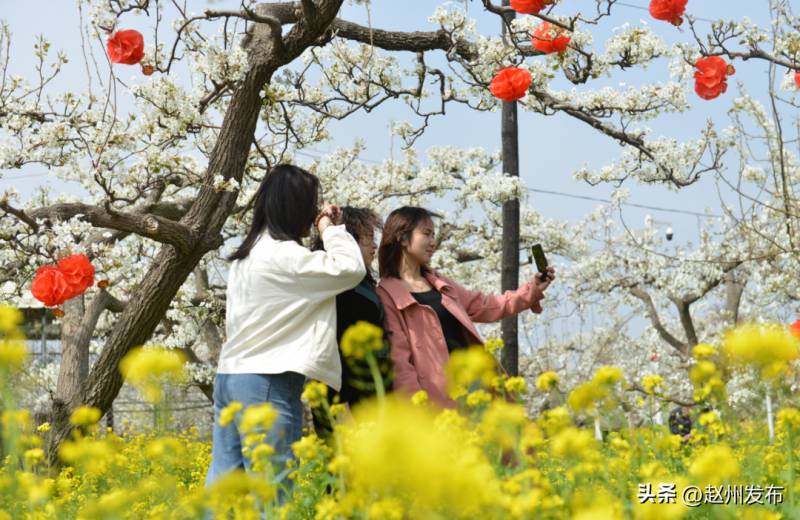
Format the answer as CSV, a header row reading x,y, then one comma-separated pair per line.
x,y
429,316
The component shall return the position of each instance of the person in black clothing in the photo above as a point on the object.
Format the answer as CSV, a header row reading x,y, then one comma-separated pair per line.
x,y
680,423
358,304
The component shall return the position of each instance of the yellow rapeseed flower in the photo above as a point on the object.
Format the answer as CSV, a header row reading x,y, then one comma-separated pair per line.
x,y
419,398
768,347
492,345
339,463
407,455
714,465
573,442
386,509
149,368
516,385
478,398
236,486
10,318
547,381
605,510
34,456
260,456
315,394
608,376
456,392
531,440
361,338
707,381
788,418
85,416
469,366
17,419
228,414
89,454
307,448
584,397
710,421
702,370
169,450
502,422
36,488
703,351
258,418
652,383
338,409
13,353
554,420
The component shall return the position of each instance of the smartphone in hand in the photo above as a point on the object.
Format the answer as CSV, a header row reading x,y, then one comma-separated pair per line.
x,y
541,261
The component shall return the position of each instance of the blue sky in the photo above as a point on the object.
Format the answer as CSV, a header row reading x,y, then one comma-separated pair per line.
x,y
551,148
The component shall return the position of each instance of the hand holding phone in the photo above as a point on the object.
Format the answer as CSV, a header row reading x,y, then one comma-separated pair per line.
x,y
541,261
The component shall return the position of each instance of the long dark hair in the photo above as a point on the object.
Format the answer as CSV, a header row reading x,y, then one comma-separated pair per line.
x,y
399,226
359,222
286,204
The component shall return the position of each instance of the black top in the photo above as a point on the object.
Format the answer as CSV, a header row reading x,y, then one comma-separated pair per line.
x,y
360,304
451,327
679,424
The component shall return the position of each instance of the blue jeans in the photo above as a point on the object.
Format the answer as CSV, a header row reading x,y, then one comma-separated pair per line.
x,y
283,392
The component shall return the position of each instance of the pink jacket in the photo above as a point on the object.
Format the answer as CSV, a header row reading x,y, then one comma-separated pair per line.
x,y
418,348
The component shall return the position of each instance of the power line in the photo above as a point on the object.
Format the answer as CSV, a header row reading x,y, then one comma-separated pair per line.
x,y
608,201
559,193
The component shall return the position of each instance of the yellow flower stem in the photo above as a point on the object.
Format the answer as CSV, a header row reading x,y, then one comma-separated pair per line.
x,y
161,416
9,444
790,455
376,376
339,445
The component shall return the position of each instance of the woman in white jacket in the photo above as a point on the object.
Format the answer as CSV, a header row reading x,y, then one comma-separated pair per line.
x,y
281,313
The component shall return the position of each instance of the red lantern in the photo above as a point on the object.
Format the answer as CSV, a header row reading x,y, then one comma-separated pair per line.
x,y
510,83
50,286
78,272
797,78
549,39
668,10
529,6
794,328
711,76
126,47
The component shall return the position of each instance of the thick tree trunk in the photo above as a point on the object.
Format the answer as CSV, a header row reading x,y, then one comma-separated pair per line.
x,y
74,365
208,213
510,270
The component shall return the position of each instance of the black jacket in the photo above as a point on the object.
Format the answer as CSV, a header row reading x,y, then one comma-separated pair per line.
x,y
358,304
361,304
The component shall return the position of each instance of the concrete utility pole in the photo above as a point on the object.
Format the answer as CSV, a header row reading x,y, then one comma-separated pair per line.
x,y
510,269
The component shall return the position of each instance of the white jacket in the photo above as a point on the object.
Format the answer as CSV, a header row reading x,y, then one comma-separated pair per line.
x,y
281,307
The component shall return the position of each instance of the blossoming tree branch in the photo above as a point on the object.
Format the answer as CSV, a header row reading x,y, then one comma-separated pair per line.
x,y
227,93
